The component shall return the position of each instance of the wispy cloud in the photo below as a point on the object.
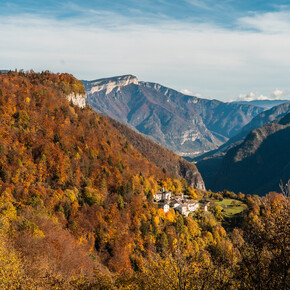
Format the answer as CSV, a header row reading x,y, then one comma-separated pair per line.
x,y
252,96
207,5
203,57
271,22
280,95
275,95
186,92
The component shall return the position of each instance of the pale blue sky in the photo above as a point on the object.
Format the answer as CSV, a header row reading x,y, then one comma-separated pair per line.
x,y
217,49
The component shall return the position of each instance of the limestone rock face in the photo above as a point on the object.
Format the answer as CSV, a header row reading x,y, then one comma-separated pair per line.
x,y
110,84
192,176
77,99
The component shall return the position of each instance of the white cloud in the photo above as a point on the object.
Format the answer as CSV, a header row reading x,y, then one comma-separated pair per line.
x,y
200,4
186,92
218,63
251,97
271,22
281,95
190,93
275,95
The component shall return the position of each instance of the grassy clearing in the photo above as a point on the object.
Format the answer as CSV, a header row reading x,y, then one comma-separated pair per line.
x,y
231,207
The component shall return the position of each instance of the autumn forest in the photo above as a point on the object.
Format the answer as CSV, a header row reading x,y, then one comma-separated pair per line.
x,y
77,209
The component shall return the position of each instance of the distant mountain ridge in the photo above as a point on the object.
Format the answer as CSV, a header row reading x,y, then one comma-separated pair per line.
x,y
184,124
264,103
257,165
271,115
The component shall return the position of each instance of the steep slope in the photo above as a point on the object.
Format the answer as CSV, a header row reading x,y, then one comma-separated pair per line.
x,y
255,166
77,211
69,178
38,116
270,115
30,93
225,119
184,124
168,161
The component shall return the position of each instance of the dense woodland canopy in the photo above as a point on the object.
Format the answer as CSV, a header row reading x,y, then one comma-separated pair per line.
x,y
76,207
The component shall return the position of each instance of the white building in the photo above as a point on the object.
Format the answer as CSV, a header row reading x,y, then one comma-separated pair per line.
x,y
187,207
192,206
182,209
164,205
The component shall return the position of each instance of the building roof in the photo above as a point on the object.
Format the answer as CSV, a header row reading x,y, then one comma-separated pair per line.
x,y
204,201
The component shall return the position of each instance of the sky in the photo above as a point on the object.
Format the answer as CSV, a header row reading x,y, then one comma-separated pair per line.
x,y
222,49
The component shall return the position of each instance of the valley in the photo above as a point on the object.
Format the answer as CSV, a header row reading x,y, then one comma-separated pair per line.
x,y
89,203
200,130
145,145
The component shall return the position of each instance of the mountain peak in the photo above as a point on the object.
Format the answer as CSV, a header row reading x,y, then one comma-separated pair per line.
x,y
109,84
185,124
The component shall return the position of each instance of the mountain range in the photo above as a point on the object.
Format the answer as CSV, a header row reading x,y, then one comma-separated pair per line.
x,y
250,143
184,124
257,165
230,141
270,115
268,104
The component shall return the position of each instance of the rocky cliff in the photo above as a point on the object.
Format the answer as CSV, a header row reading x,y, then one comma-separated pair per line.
x,y
109,84
77,99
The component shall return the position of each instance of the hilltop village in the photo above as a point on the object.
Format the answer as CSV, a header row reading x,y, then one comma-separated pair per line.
x,y
180,202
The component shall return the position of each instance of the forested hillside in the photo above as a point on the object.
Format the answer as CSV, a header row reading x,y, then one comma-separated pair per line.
x,y
163,158
77,210
256,165
271,115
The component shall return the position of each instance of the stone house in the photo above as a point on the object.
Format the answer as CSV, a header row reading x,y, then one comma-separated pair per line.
x,y
174,203
187,207
182,209
192,205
